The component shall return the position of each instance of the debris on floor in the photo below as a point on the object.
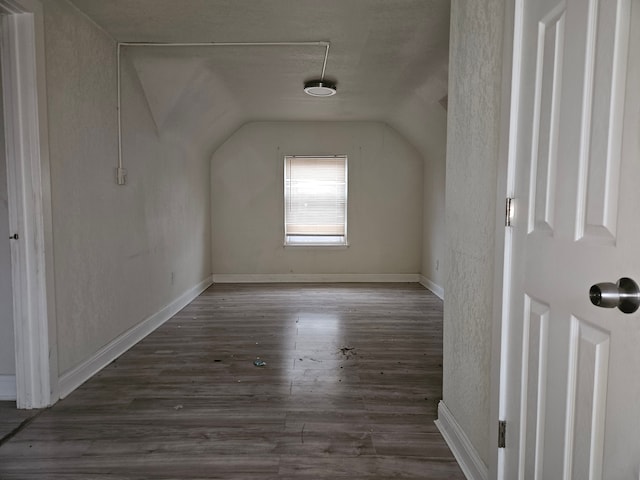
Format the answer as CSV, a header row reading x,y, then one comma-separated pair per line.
x,y
348,352
178,407
259,363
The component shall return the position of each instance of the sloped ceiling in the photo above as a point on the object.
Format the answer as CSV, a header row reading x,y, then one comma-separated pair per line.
x,y
384,55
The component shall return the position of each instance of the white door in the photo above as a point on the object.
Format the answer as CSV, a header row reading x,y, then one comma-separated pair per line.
x,y
571,396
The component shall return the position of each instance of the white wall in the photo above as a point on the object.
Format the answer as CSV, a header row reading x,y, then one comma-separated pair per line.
x,y
434,236
121,253
7,343
475,70
424,123
385,200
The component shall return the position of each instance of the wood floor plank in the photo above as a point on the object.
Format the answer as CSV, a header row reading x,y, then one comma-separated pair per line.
x,y
10,418
350,388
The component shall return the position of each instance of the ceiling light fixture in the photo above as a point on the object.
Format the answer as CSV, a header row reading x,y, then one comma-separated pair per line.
x,y
319,88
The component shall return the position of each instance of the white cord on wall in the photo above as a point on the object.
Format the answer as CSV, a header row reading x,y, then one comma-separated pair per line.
x,y
121,172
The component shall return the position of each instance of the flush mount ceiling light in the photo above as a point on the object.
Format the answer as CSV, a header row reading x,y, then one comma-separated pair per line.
x,y
319,88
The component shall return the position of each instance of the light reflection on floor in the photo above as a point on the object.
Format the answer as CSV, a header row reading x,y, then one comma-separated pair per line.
x,y
321,361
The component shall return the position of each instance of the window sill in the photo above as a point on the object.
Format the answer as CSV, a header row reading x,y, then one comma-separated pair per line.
x,y
315,241
336,246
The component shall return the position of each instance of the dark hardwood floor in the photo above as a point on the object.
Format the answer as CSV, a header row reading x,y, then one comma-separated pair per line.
x,y
11,420
350,387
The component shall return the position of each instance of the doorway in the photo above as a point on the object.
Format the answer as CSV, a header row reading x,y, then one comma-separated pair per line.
x,y
28,201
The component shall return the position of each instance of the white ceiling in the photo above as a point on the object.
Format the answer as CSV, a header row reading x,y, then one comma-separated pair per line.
x,y
382,53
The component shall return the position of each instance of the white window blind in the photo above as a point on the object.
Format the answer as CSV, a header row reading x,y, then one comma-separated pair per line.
x,y
315,197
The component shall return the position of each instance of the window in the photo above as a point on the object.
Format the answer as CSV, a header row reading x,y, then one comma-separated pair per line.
x,y
315,200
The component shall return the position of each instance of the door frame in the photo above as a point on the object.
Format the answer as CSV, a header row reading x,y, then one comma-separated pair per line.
x,y
504,259
29,191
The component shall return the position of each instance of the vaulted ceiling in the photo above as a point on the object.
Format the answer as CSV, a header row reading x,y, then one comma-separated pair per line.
x,y
383,55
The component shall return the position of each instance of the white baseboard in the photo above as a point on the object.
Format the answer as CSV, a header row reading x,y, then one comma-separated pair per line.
x,y
72,379
8,387
470,462
317,278
434,287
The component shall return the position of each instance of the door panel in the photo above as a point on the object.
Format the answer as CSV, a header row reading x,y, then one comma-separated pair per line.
x,y
573,370
606,40
544,153
535,345
586,405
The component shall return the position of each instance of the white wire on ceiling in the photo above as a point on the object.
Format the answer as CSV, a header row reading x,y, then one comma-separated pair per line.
x,y
121,172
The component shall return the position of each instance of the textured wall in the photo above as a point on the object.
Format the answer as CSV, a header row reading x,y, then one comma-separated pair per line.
x,y
121,253
7,345
471,174
434,237
385,200
423,121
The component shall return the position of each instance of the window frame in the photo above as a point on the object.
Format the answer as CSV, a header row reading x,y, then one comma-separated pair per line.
x,y
331,241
